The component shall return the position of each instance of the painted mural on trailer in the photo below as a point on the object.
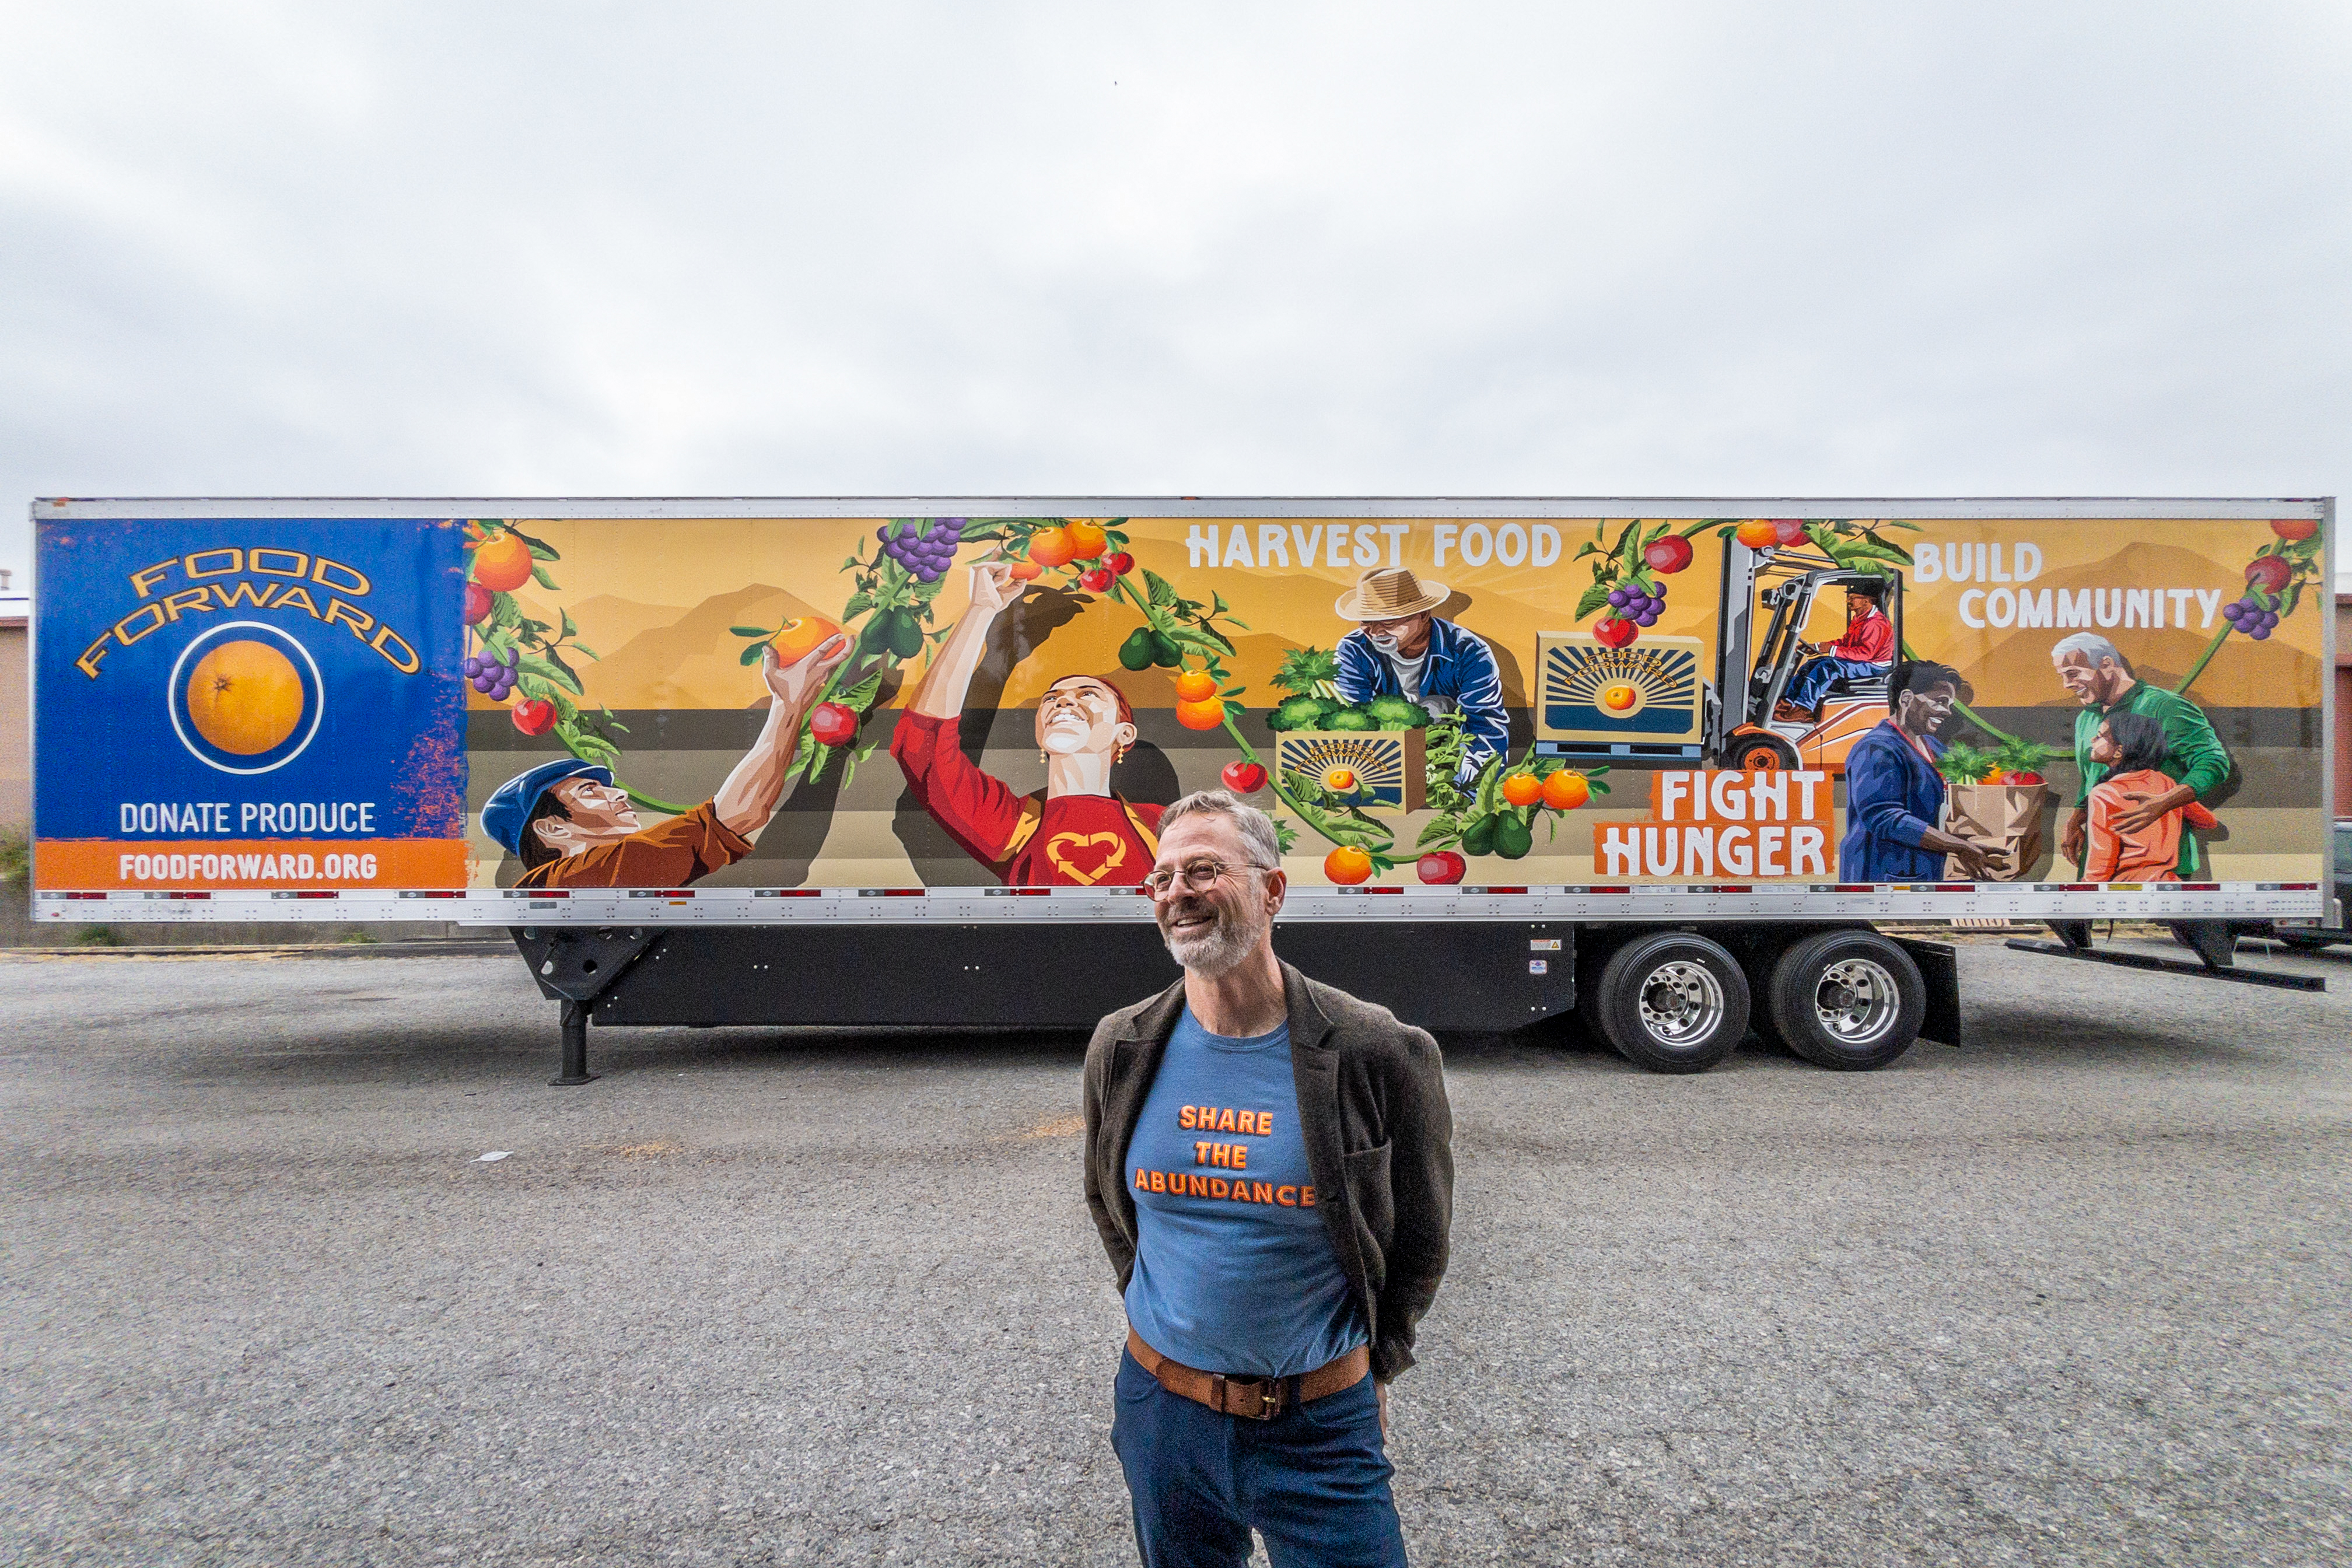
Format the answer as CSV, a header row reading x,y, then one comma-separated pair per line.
x,y
258,704
1014,700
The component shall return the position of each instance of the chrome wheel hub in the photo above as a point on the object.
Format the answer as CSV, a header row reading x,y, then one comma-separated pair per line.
x,y
1856,1001
1682,1004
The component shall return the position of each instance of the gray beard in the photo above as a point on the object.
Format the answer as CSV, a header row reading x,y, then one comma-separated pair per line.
x,y
1218,951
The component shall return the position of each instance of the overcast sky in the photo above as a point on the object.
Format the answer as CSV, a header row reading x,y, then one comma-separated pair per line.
x,y
1562,249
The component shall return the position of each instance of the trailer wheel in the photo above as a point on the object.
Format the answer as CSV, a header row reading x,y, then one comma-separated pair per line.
x,y
1849,1000
1673,1002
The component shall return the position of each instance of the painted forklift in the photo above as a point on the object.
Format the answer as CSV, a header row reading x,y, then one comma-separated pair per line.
x,y
1784,582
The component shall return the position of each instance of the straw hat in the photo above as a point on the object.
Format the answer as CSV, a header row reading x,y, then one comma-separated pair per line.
x,y
1390,594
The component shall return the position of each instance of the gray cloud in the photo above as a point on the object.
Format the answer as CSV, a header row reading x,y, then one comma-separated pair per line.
x,y
594,248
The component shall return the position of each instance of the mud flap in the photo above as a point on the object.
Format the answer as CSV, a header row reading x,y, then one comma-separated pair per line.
x,y
1939,967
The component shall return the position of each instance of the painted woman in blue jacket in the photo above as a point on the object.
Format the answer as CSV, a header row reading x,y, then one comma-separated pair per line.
x,y
1400,649
1895,797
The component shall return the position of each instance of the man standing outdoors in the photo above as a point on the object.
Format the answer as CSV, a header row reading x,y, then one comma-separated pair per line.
x,y
1269,1162
1402,649
2100,679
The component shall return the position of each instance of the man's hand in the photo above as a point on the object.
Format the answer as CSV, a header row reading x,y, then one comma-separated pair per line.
x,y
793,685
2153,807
1974,858
994,586
2075,837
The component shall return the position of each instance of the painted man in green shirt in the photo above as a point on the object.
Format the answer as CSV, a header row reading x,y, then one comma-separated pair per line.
x,y
2103,683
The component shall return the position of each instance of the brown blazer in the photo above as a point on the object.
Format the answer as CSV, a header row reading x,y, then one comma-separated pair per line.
x,y
1379,1136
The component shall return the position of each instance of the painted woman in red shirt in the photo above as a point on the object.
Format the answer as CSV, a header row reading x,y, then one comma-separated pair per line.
x,y
1076,832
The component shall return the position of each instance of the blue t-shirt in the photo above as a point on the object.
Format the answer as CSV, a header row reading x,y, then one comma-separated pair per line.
x,y
1233,1268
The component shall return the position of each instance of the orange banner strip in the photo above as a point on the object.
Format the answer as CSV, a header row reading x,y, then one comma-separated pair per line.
x,y
82,865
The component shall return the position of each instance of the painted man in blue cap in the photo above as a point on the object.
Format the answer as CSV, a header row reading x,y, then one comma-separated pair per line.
x,y
571,826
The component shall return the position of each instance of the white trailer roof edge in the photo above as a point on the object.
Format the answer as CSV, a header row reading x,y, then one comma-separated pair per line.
x,y
317,507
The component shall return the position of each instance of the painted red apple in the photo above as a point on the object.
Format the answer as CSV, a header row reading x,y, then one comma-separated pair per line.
x,y
1669,554
832,724
1611,632
534,715
1789,530
1441,867
477,604
1097,581
1121,563
2295,529
1243,778
2024,778
2269,572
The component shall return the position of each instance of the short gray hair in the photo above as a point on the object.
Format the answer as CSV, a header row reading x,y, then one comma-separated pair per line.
x,y
1255,827
2092,646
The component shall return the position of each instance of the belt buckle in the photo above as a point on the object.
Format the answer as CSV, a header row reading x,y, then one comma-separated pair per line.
x,y
1268,1390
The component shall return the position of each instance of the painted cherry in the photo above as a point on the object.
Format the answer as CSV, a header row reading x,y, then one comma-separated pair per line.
x,y
478,604
1441,867
1611,632
2269,572
534,716
1243,778
1669,554
1121,563
1098,580
832,725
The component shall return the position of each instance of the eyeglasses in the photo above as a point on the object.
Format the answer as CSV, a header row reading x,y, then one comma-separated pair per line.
x,y
1200,876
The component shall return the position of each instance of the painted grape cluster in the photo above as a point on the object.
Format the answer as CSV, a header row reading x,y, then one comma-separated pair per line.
x,y
2247,616
1638,605
493,674
926,554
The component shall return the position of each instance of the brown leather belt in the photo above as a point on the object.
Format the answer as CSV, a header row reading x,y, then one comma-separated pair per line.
x,y
1252,1398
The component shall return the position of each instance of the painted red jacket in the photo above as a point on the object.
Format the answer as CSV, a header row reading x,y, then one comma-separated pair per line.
x,y
1029,841
1870,639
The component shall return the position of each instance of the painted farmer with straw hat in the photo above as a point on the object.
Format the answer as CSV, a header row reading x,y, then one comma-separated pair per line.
x,y
1402,649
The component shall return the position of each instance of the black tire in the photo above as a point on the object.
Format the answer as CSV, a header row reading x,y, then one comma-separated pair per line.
x,y
1848,1000
1671,1002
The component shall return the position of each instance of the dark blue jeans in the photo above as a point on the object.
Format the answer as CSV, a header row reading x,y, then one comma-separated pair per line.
x,y
1313,1480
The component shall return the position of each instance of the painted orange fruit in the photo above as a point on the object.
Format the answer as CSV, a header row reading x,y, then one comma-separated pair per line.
x,y
1086,541
1202,715
1026,571
503,564
1051,547
1757,532
1566,790
1339,781
1196,685
1618,696
1522,789
244,696
801,636
1348,866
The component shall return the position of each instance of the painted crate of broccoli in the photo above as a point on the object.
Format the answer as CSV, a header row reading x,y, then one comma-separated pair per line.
x,y
1368,754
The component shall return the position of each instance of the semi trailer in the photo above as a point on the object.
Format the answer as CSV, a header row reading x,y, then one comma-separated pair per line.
x,y
1668,765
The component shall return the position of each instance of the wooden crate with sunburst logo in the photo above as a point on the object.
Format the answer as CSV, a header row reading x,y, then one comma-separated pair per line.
x,y
1378,770
1645,699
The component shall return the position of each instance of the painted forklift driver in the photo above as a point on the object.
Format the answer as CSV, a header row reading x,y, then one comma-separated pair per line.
x,y
571,826
1076,832
1866,650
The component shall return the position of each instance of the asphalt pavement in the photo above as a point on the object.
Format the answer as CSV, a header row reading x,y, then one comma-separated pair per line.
x,y
2078,1293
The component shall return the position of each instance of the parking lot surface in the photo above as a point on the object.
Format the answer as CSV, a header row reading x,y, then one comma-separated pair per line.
x,y
2078,1293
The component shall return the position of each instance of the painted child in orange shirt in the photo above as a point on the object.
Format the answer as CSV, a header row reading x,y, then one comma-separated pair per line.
x,y
2133,747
